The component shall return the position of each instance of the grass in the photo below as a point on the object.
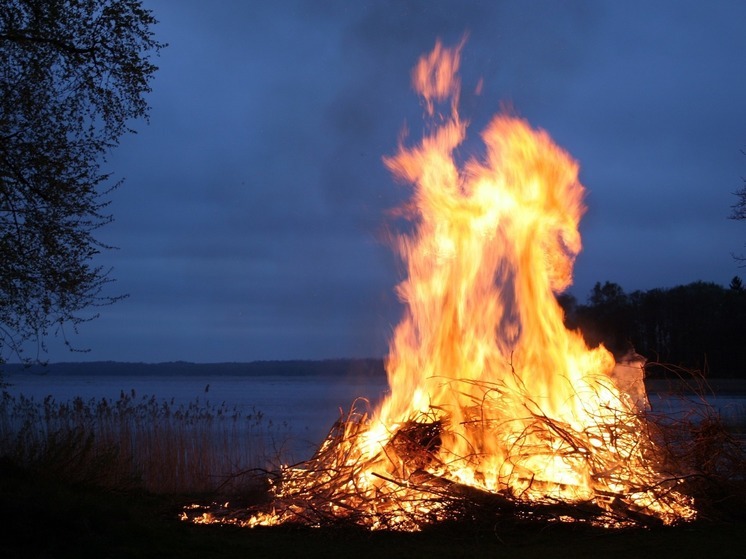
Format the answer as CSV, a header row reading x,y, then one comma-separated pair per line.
x,y
143,443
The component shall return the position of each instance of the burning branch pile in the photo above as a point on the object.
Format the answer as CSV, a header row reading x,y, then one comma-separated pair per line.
x,y
495,407
413,481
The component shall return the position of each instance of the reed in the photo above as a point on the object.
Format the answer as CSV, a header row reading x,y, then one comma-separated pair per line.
x,y
147,443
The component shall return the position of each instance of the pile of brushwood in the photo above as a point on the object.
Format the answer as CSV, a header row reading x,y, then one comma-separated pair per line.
x,y
696,460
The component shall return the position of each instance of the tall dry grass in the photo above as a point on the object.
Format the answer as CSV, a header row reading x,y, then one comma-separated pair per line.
x,y
131,442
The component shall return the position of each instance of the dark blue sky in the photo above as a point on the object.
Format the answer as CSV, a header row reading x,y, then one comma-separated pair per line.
x,y
251,223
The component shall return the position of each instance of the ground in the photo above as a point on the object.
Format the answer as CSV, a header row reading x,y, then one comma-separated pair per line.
x,y
46,518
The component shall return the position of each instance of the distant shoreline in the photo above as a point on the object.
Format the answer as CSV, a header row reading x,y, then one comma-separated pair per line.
x,y
370,367
360,368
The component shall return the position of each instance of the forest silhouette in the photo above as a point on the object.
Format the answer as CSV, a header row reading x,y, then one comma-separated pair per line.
x,y
697,328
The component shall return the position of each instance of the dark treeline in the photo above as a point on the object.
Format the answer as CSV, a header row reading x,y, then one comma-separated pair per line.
x,y
700,326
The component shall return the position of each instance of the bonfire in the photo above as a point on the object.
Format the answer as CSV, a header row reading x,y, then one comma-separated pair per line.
x,y
495,407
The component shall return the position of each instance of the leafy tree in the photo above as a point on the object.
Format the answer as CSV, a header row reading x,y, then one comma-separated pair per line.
x,y
73,75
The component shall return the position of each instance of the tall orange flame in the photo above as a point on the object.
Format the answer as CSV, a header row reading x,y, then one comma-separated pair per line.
x,y
482,348
494,243
489,390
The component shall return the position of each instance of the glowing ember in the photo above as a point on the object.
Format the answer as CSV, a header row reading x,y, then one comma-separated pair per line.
x,y
494,404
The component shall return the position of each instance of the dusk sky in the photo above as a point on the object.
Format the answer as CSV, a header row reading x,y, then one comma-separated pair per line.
x,y
251,224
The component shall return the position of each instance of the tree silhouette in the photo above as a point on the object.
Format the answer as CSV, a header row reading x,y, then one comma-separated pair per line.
x,y
607,318
73,75
738,211
700,326
736,284
739,208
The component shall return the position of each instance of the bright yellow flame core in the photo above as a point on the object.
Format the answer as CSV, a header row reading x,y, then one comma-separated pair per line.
x,y
519,403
